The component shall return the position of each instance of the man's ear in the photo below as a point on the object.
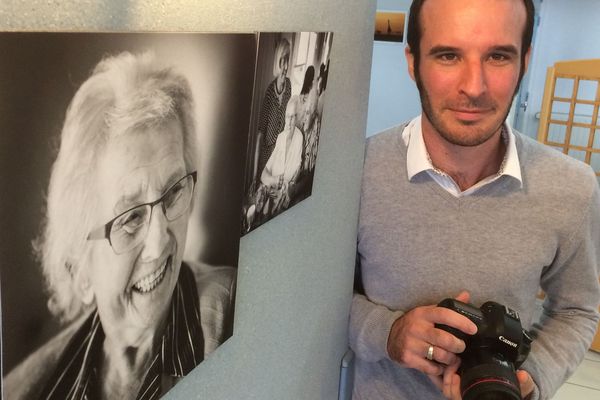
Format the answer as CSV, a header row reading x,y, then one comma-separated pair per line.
x,y
526,59
410,60
82,285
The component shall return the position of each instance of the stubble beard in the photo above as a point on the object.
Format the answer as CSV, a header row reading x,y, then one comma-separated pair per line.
x,y
480,135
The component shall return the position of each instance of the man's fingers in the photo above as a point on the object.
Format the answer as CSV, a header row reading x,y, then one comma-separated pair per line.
x,y
445,340
463,296
447,382
525,382
424,365
445,316
443,356
455,388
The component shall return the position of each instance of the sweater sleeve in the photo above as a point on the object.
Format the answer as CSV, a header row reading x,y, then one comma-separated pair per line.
x,y
570,313
370,326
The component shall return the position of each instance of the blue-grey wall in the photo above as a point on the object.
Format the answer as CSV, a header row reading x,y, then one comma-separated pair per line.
x,y
296,271
393,97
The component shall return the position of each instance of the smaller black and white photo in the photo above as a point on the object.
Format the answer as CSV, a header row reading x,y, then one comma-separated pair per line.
x,y
287,110
122,163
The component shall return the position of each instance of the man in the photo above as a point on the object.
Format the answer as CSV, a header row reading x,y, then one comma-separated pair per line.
x,y
456,204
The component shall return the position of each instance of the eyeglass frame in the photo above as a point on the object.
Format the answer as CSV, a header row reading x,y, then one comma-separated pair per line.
x,y
96,233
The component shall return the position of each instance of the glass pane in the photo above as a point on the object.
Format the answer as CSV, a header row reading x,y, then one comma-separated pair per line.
x,y
578,154
560,110
595,162
579,136
564,87
596,144
557,133
587,90
583,113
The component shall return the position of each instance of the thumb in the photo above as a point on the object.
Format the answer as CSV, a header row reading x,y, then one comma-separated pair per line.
x,y
463,296
525,382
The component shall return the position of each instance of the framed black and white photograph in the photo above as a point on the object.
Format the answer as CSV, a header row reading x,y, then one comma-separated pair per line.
x,y
122,172
287,110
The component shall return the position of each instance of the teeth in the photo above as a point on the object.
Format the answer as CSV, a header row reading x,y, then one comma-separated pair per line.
x,y
150,281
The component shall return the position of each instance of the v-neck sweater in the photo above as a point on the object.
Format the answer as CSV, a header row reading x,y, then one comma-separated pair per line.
x,y
418,244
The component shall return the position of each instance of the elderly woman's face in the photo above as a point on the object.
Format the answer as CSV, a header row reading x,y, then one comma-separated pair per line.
x,y
133,290
284,63
290,118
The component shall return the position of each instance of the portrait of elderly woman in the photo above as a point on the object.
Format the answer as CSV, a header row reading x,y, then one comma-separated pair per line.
x,y
136,316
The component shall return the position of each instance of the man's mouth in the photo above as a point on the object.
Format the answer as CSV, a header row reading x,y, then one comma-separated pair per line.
x,y
470,113
149,282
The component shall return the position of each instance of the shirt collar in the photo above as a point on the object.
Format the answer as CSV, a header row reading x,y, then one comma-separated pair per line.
x,y
417,157
182,349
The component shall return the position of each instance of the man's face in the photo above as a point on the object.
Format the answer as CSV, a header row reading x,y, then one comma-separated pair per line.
x,y
469,66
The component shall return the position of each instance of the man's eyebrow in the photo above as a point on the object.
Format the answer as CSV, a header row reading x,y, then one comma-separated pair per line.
x,y
509,48
443,49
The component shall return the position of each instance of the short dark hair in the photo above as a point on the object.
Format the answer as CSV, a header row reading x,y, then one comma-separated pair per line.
x,y
309,76
414,31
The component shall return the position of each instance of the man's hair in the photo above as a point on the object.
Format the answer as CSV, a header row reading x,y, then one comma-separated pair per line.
x,y
283,49
414,31
125,94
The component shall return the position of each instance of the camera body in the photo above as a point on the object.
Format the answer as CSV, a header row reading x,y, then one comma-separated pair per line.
x,y
493,354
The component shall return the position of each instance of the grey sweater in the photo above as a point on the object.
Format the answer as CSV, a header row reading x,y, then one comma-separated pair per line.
x,y
418,244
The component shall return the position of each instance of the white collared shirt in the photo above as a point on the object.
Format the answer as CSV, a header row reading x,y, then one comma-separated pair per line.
x,y
418,160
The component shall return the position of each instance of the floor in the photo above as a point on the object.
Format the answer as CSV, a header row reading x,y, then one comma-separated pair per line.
x,y
585,382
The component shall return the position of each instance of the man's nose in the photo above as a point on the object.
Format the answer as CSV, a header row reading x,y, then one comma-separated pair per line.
x,y
157,236
474,80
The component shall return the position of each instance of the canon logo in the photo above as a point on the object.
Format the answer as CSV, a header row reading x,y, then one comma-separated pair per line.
x,y
508,342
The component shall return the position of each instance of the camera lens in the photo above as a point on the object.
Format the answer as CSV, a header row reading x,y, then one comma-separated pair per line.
x,y
489,382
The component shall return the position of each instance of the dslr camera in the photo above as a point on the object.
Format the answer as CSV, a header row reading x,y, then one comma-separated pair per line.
x,y
492,356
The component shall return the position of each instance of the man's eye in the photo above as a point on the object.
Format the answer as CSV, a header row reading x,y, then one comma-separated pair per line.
x,y
448,57
499,58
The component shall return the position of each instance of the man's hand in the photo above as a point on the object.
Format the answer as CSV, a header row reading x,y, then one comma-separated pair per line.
x,y
451,384
525,382
413,333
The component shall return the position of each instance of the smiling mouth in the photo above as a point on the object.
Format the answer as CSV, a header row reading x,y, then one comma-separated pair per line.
x,y
470,110
149,282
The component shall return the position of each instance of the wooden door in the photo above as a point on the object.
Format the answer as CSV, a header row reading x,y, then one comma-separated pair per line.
x,y
570,118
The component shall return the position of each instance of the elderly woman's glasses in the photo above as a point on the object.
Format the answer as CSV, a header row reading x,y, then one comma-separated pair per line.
x,y
129,229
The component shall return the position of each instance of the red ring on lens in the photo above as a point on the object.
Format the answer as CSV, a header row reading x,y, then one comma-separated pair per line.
x,y
505,382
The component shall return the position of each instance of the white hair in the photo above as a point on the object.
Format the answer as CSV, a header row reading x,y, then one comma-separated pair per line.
x,y
282,50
